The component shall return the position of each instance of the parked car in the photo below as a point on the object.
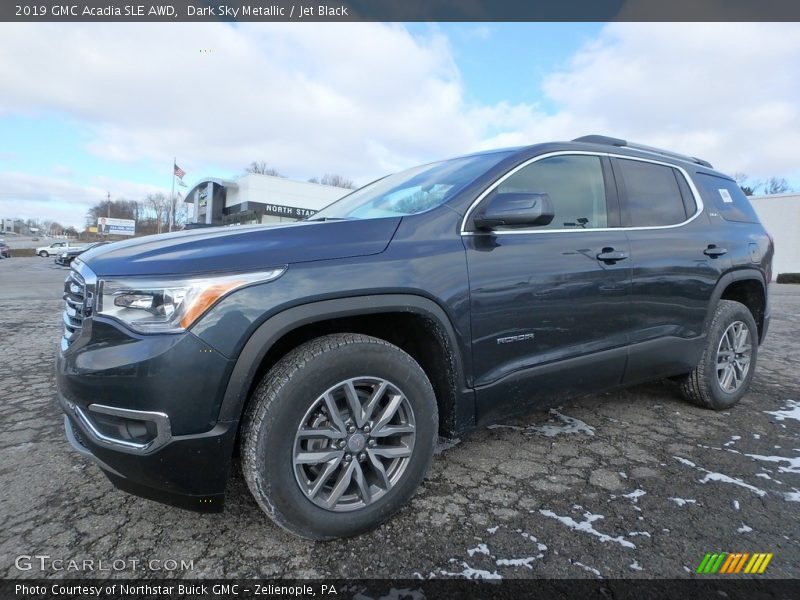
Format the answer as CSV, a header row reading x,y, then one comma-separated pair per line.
x,y
66,257
56,247
5,251
333,351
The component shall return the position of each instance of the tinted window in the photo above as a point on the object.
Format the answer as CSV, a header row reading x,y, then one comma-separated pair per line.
x,y
727,198
575,185
652,194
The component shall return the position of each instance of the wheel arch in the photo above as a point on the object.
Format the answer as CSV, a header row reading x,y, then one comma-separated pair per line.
x,y
746,286
289,328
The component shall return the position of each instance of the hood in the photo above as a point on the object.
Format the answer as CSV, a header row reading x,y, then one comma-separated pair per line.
x,y
240,248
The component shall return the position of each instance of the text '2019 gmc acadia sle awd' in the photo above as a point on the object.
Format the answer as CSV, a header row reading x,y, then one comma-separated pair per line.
x,y
330,353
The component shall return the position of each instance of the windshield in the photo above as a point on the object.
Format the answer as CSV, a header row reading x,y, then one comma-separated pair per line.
x,y
413,191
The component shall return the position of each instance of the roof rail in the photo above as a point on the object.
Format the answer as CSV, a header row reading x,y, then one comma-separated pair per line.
x,y
610,141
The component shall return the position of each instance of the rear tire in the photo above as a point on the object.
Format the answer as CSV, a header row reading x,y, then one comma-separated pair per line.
x,y
726,368
44,254
338,436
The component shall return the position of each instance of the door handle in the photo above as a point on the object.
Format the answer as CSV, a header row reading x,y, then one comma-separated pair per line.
x,y
713,251
611,255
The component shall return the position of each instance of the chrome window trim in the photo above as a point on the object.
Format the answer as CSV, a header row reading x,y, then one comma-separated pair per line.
x,y
695,193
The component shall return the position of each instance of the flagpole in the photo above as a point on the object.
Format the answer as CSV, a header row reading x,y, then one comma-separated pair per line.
x,y
172,197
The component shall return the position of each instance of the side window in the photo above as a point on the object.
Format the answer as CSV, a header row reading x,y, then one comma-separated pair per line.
x,y
575,185
652,195
727,197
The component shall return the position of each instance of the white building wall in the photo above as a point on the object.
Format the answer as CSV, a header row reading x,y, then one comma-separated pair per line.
x,y
780,215
277,190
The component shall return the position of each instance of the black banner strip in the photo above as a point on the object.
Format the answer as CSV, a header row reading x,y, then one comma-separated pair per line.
x,y
730,587
399,10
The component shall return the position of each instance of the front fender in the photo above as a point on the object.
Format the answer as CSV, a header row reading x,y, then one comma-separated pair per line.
x,y
273,329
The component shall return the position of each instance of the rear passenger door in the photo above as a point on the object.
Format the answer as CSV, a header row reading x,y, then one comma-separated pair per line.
x,y
675,267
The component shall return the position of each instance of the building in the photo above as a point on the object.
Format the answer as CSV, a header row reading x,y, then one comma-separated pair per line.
x,y
255,198
780,215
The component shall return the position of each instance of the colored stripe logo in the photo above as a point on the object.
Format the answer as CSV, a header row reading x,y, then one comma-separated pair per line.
x,y
729,563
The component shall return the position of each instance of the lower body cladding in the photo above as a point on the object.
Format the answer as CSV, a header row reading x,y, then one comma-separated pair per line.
x,y
145,410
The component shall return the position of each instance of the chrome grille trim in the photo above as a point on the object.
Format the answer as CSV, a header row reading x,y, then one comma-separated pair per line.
x,y
79,290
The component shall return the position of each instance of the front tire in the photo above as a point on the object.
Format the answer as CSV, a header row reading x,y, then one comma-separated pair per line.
x,y
726,368
338,436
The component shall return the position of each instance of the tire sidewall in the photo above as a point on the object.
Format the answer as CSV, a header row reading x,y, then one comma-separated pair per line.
x,y
731,312
275,439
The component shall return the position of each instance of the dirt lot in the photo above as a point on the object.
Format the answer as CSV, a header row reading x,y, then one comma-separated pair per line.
x,y
629,484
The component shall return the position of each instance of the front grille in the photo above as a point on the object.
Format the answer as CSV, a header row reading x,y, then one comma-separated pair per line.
x,y
75,309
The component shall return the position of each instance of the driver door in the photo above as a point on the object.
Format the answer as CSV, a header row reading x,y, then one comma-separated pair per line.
x,y
549,315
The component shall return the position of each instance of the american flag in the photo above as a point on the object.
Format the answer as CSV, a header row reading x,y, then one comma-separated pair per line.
x,y
179,173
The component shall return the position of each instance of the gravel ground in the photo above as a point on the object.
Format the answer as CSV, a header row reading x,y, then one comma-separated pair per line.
x,y
628,484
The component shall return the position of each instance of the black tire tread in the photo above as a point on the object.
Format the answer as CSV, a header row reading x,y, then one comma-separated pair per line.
x,y
266,393
693,386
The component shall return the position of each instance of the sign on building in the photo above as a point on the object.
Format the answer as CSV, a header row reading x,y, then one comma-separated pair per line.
x,y
293,212
109,226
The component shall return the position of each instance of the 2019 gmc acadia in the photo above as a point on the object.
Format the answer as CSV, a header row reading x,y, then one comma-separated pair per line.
x,y
331,352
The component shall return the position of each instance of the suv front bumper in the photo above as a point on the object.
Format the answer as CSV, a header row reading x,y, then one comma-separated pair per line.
x,y
189,471
146,409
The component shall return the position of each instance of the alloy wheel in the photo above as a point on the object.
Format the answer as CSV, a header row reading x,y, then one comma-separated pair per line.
x,y
734,354
354,443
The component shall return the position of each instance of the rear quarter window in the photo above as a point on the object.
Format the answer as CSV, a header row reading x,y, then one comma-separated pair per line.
x,y
726,197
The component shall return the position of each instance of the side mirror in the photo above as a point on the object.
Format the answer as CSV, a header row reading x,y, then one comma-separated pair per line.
x,y
516,209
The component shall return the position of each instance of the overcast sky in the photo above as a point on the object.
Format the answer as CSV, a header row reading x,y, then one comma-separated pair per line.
x,y
87,109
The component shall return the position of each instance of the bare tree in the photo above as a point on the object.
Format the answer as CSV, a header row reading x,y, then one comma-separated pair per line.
x,y
160,206
776,185
261,168
334,180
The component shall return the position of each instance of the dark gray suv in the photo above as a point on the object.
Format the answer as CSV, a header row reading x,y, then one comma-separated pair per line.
x,y
331,352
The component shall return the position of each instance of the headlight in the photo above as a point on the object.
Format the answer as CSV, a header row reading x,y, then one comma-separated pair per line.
x,y
169,305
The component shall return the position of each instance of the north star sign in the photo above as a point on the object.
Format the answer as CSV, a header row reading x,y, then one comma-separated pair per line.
x,y
278,210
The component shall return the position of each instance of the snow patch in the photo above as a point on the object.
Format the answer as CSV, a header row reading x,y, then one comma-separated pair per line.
x,y
587,568
736,504
470,573
493,529
636,566
479,549
568,425
712,476
586,527
793,463
517,562
533,539
734,439
635,533
635,495
791,411
792,496
683,501
744,529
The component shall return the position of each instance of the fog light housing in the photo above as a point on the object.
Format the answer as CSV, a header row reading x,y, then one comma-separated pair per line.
x,y
124,428
134,431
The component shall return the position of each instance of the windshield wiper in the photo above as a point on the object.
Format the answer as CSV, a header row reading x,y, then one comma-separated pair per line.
x,y
331,219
